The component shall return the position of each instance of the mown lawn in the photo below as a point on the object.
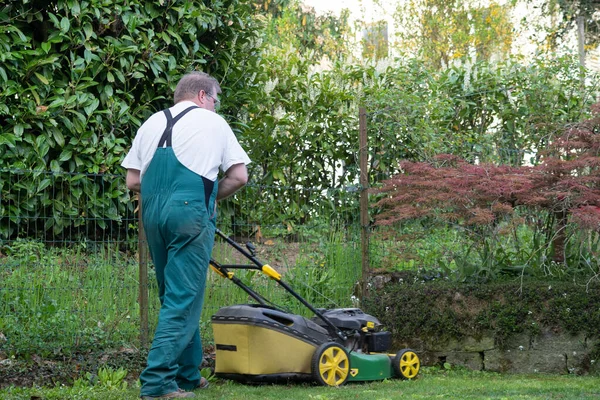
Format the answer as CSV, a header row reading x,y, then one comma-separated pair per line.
x,y
430,384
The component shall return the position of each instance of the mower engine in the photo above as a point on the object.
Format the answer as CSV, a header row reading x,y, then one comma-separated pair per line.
x,y
363,330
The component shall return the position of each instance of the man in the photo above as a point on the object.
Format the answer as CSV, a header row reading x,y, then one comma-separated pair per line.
x,y
174,162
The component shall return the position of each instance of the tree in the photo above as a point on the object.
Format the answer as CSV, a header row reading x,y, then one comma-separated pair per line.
x,y
563,189
443,31
568,12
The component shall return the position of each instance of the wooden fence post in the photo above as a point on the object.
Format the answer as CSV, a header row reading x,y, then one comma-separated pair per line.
x,y
364,198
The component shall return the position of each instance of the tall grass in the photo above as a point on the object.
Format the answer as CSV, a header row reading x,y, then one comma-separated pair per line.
x,y
324,273
56,301
510,248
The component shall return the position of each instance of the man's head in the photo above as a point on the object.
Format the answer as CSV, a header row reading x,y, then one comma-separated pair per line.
x,y
200,88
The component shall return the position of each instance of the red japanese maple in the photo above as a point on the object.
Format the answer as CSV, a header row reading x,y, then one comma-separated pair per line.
x,y
566,185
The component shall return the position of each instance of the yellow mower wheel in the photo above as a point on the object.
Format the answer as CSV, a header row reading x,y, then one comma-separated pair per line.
x,y
406,364
330,365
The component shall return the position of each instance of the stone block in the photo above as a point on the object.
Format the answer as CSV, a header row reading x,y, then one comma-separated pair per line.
x,y
470,360
525,361
520,342
466,359
578,362
430,358
559,342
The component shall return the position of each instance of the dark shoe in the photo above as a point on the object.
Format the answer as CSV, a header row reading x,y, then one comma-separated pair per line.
x,y
179,394
203,383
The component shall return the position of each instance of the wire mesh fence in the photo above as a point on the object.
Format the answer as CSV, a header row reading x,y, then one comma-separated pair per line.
x,y
70,260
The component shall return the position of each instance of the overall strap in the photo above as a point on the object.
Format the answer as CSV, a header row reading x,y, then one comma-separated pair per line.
x,y
167,134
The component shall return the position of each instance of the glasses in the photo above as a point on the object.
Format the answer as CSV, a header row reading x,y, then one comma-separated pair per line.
x,y
217,101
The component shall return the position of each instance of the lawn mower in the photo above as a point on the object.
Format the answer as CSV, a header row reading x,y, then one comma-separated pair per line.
x,y
263,343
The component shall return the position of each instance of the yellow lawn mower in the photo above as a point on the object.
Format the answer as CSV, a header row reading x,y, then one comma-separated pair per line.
x,y
262,343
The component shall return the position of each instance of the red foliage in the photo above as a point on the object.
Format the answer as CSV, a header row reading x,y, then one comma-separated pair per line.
x,y
567,182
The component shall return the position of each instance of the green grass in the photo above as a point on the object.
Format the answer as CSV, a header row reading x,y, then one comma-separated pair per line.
x,y
53,299
430,384
56,301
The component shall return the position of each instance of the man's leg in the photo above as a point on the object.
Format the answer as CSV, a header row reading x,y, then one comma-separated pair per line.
x,y
188,375
189,246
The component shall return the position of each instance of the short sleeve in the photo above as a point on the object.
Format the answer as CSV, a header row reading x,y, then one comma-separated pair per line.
x,y
132,159
234,153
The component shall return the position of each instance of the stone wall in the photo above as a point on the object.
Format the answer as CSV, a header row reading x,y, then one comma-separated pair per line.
x,y
548,352
513,326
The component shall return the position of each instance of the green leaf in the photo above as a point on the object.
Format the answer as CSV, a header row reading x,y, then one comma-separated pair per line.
x,y
54,19
65,155
172,63
75,9
43,185
92,107
54,166
3,74
18,130
46,47
58,137
119,75
65,25
57,103
8,139
88,30
124,108
42,78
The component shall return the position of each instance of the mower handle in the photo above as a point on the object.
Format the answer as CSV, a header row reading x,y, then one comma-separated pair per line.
x,y
271,273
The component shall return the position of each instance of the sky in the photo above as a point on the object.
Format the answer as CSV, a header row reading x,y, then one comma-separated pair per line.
x,y
332,5
358,8
367,11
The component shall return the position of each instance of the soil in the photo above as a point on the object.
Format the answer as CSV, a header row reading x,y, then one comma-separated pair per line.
x,y
35,371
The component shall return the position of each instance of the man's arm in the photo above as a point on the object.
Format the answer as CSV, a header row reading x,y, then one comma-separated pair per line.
x,y
235,177
132,180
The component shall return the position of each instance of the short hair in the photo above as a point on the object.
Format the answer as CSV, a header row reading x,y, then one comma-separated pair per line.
x,y
192,83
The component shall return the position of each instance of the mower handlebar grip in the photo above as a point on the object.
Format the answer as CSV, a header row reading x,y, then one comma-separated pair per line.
x,y
270,271
228,275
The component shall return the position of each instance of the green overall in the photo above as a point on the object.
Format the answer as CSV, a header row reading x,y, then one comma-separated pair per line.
x,y
178,215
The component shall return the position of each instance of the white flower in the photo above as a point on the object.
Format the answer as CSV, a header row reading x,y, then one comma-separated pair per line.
x,y
270,85
279,113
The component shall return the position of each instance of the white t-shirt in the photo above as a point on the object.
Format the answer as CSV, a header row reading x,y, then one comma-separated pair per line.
x,y
202,141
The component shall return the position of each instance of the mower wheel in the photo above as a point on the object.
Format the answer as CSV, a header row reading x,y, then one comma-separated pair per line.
x,y
330,365
406,364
